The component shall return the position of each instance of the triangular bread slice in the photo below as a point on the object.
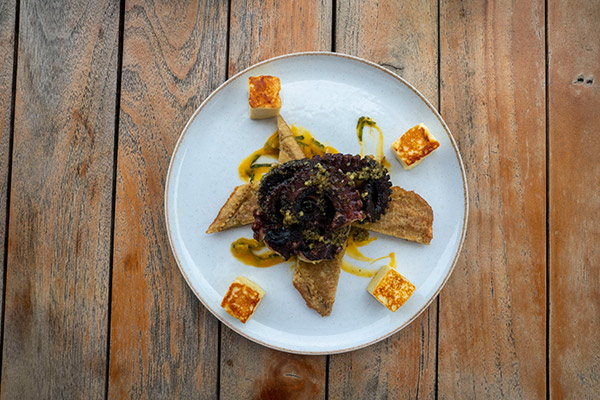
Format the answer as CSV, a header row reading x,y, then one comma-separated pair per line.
x,y
238,210
289,149
317,282
408,217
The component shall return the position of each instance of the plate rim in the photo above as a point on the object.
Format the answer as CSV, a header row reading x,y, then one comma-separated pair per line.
x,y
371,64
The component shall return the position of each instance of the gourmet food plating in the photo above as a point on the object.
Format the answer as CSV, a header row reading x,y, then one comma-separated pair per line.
x,y
314,204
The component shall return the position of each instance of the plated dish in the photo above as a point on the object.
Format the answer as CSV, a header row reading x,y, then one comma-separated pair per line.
x,y
325,93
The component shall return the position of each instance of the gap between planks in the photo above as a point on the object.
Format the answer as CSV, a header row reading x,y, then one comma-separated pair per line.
x,y
439,107
11,131
547,103
114,189
219,323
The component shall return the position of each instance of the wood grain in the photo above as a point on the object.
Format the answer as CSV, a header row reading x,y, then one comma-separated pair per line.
x,y
492,316
7,49
60,216
251,371
401,36
574,227
260,29
163,343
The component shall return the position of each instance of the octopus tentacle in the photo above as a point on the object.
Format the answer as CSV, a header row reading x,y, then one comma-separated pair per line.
x,y
306,206
369,177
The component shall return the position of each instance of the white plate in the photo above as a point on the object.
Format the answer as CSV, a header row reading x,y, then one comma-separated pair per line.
x,y
325,93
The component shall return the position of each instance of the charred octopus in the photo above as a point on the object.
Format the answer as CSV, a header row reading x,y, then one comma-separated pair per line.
x,y
306,206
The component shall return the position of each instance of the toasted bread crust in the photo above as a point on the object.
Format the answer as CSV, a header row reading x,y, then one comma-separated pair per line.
x,y
317,282
289,149
238,210
408,217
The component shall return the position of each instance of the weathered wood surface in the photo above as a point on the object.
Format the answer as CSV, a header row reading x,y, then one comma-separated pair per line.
x,y
260,30
164,344
60,215
251,371
68,332
403,37
574,214
492,312
7,49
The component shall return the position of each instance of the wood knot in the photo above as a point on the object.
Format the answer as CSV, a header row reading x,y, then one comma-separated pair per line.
x,y
582,80
288,377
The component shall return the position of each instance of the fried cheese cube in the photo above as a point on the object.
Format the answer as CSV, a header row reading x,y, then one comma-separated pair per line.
x,y
242,298
263,96
414,146
390,288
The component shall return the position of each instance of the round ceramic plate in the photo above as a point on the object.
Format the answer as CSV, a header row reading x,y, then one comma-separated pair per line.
x,y
325,93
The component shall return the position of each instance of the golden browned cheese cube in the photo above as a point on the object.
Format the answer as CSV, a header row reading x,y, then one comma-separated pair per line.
x,y
414,146
390,288
242,298
263,96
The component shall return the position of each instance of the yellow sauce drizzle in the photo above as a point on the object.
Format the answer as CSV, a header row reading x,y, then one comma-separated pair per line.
x,y
393,260
251,252
310,146
353,252
247,251
251,169
372,125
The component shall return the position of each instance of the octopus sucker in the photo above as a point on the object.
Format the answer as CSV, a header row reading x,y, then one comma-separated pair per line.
x,y
369,177
306,206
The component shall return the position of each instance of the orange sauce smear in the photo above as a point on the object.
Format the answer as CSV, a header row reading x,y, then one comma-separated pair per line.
x,y
260,161
252,252
352,251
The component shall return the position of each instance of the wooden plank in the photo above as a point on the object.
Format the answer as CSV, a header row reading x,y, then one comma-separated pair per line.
x,y
251,371
492,315
574,229
259,30
402,36
60,216
263,29
163,343
7,50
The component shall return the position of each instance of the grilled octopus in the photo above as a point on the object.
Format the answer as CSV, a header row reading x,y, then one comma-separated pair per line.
x,y
306,206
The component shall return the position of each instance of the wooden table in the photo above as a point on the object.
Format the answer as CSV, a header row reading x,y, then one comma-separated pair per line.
x,y
93,98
